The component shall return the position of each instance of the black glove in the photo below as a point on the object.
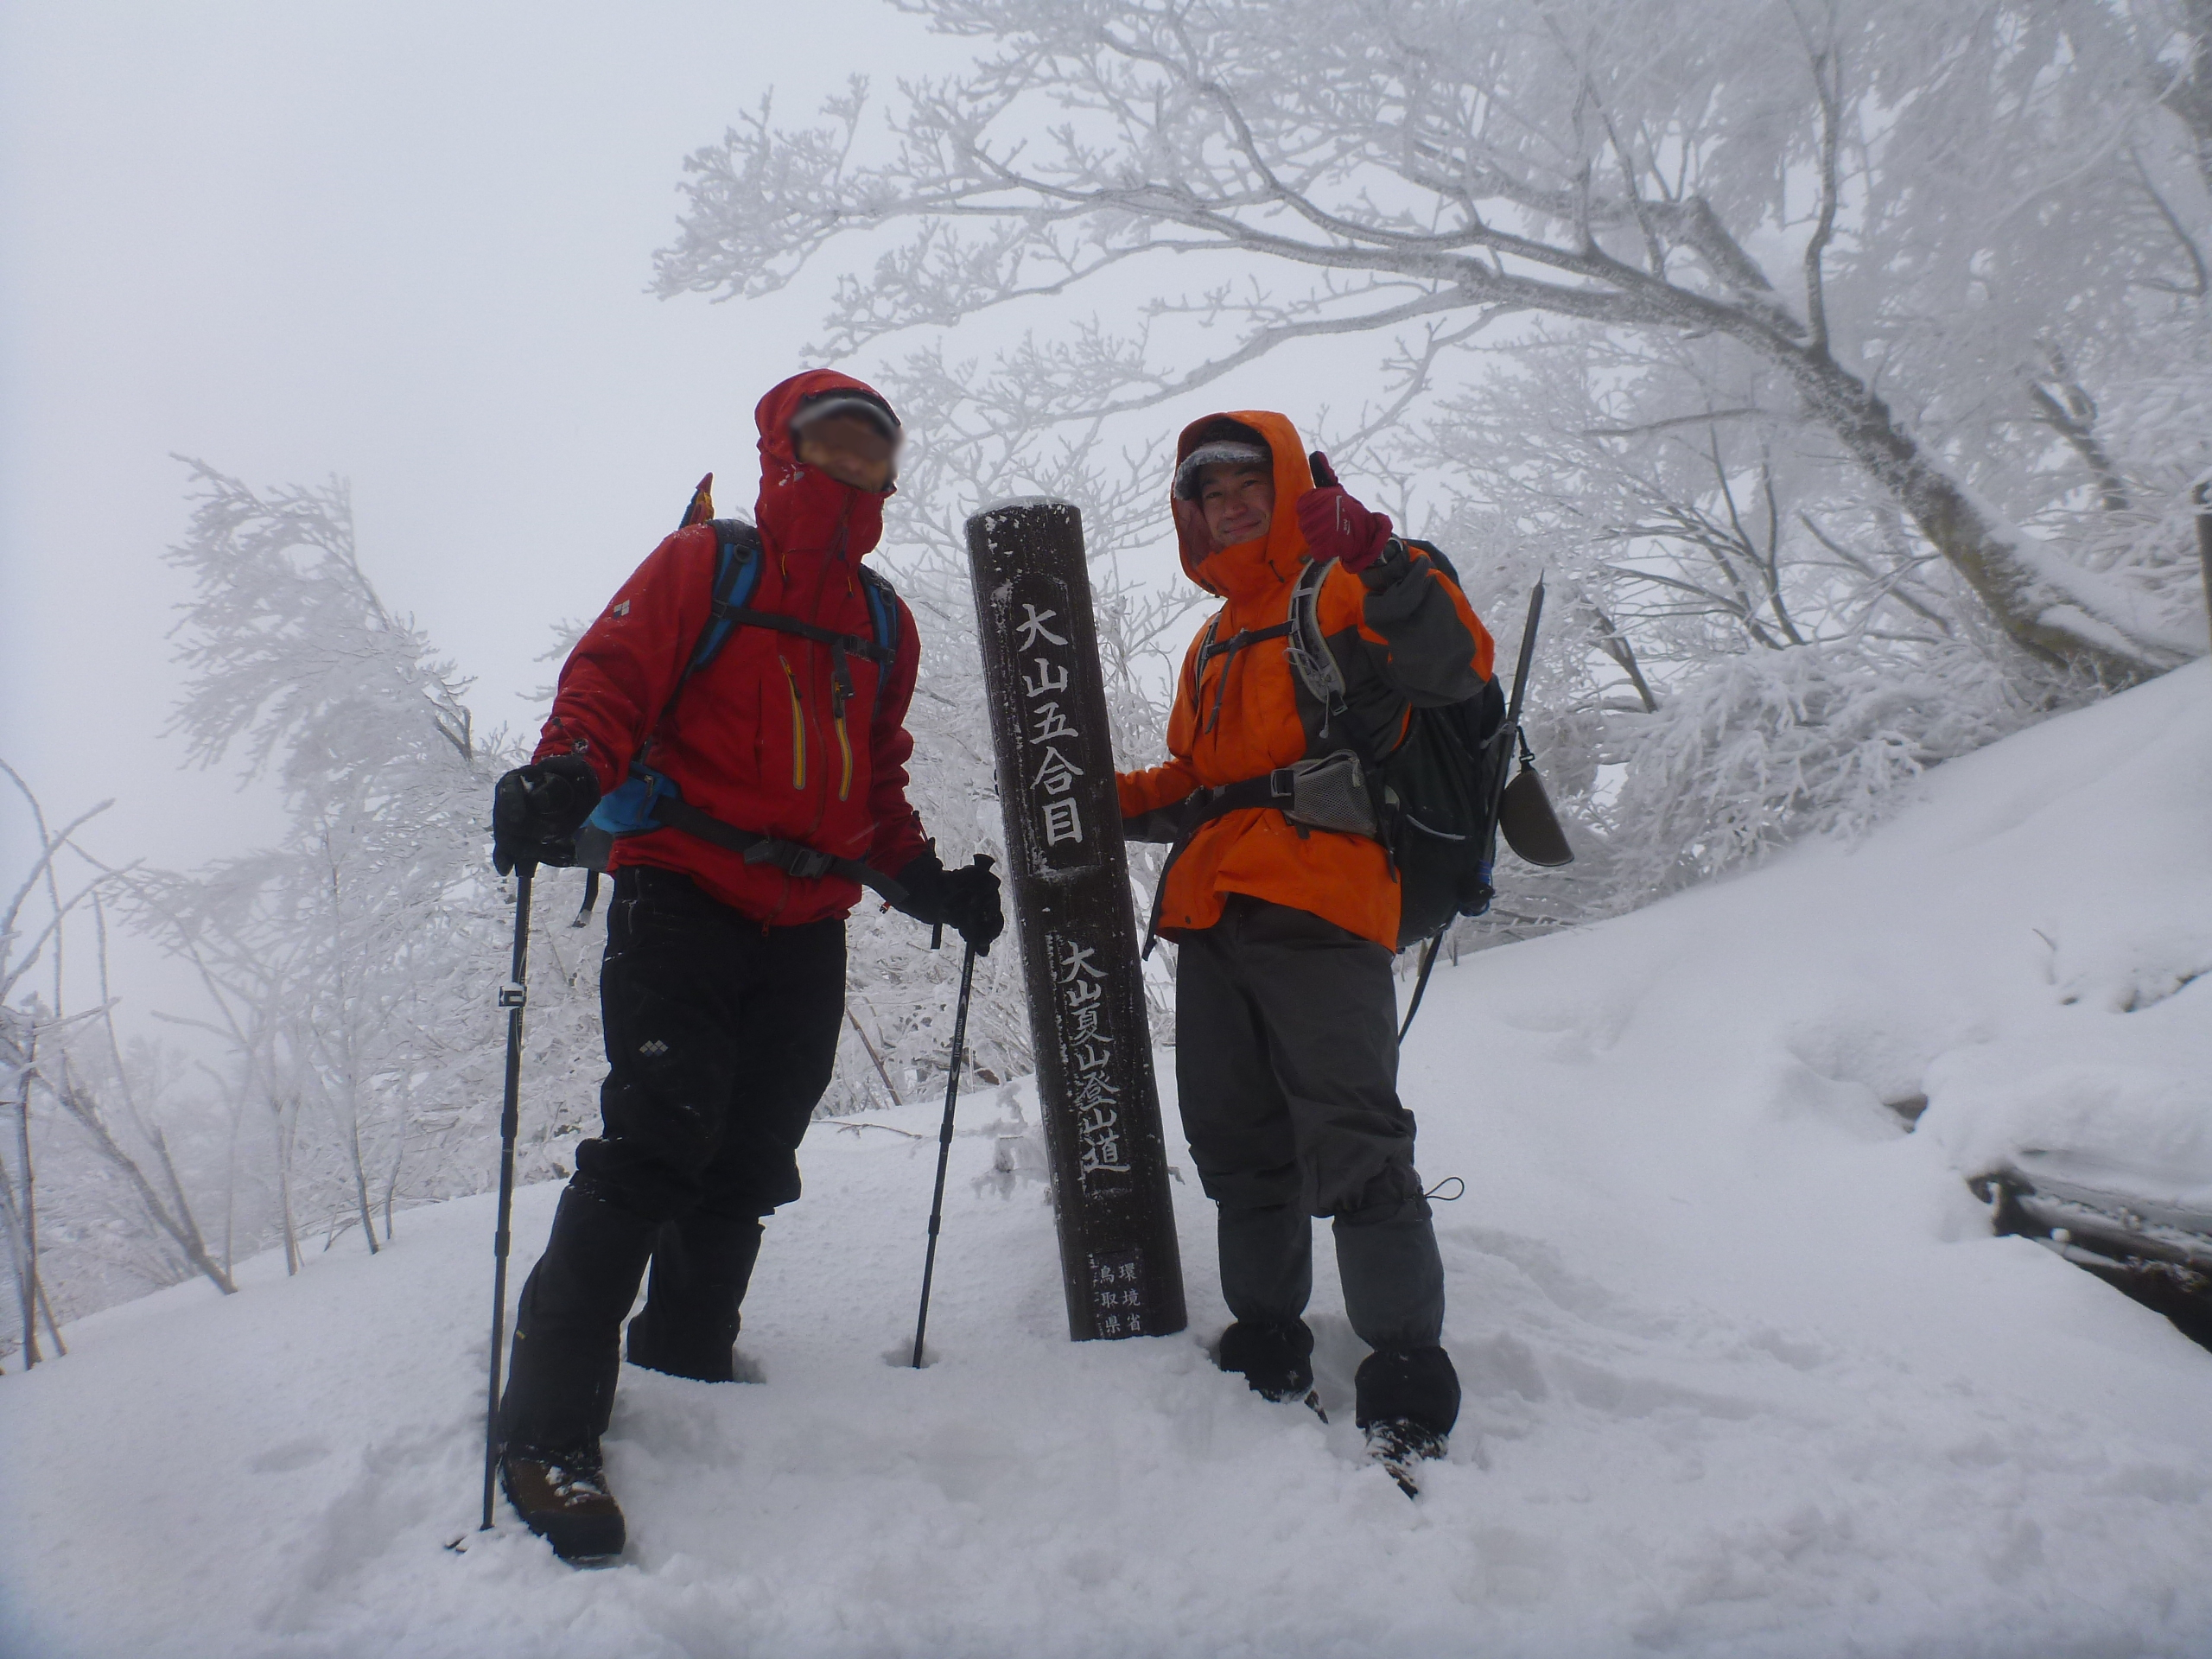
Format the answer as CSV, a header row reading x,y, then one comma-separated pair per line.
x,y
965,900
537,809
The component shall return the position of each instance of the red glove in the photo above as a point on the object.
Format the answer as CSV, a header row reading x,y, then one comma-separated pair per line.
x,y
1337,527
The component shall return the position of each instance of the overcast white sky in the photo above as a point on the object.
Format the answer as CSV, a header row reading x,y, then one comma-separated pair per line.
x,y
403,243
400,242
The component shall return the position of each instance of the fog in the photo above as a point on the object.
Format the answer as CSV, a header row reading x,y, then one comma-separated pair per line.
x,y
407,245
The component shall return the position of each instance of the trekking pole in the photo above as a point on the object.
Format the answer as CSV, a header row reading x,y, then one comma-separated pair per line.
x,y
944,1135
512,996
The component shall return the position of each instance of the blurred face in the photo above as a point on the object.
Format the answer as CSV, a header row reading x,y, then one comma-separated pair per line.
x,y
1238,502
849,449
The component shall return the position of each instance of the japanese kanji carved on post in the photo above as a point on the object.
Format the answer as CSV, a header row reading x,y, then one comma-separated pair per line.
x,y
1076,920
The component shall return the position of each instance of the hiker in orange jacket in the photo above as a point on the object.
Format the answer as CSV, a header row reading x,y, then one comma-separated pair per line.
x,y
1286,1010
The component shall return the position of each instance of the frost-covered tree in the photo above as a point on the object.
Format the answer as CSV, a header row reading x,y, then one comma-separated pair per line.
x,y
1930,224
1748,641
349,966
108,1205
32,1028
1842,361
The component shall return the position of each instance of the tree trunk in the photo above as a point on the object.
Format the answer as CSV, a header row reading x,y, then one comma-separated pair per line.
x,y
26,1298
231,1192
2038,607
182,1231
52,1326
877,1059
196,1244
392,1181
2190,95
26,1218
361,1183
284,1192
1615,645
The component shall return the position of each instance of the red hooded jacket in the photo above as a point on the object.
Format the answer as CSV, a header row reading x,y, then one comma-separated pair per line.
x,y
757,738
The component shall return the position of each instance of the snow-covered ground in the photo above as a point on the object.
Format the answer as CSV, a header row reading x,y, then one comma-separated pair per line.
x,y
1746,1372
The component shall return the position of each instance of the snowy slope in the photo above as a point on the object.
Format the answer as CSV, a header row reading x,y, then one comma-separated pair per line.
x,y
1745,1373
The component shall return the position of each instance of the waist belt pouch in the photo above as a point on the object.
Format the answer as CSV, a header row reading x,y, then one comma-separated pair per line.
x,y
1332,794
627,810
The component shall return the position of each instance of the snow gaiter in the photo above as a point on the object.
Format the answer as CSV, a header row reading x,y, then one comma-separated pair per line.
x,y
1267,1263
568,1325
1393,1295
702,1264
1267,1276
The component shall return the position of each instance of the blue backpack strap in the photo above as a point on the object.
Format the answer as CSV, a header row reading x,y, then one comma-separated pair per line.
x,y
737,574
646,800
629,809
883,610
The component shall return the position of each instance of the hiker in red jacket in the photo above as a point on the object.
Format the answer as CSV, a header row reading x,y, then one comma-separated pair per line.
x,y
724,979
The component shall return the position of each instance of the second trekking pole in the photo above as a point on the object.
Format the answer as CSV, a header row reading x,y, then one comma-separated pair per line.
x,y
512,996
944,1134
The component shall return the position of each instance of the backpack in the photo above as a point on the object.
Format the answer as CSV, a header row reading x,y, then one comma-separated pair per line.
x,y
1434,792
1436,799
648,800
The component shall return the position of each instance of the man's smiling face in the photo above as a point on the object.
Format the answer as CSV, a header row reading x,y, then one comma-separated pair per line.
x,y
1238,502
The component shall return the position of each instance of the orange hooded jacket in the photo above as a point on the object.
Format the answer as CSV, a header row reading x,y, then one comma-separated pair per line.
x,y
1402,632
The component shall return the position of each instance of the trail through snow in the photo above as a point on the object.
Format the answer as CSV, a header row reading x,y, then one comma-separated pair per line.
x,y
1745,1373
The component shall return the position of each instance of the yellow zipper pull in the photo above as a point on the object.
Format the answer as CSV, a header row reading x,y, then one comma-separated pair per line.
x,y
845,747
798,729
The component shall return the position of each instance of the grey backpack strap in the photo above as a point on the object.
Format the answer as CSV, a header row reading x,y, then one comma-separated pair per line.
x,y
1308,652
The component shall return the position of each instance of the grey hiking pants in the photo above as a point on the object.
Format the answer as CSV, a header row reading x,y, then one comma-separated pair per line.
x,y
1287,1061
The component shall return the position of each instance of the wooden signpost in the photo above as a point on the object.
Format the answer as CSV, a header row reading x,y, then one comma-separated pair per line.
x,y
1072,912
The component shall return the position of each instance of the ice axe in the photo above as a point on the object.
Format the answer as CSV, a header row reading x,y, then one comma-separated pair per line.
x,y
944,1133
1523,811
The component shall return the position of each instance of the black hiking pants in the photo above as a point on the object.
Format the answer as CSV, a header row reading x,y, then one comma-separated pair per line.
x,y
1287,1061
720,1038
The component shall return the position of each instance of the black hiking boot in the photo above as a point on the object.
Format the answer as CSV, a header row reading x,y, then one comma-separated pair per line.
x,y
1401,1446
565,1501
1276,1360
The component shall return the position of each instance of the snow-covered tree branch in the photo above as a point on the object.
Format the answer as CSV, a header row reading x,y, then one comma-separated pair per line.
x,y
1896,210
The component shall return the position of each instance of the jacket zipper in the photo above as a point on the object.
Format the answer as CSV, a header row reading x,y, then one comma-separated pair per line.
x,y
798,728
821,590
837,700
798,709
